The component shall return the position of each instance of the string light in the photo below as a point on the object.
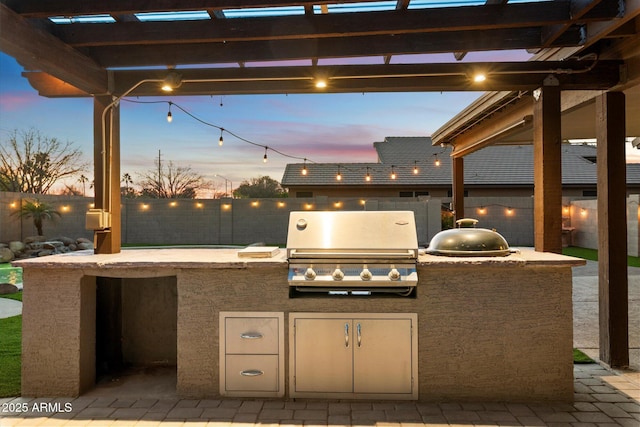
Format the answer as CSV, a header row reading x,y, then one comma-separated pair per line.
x,y
393,172
339,176
437,161
169,116
368,176
221,140
415,167
304,168
264,158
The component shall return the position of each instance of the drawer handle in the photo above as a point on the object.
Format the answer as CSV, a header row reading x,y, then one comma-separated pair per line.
x,y
251,335
251,373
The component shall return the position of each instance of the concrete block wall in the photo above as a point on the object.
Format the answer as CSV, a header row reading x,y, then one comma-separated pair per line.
x,y
246,221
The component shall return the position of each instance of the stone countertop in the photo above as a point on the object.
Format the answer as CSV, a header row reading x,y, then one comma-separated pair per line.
x,y
522,257
154,258
217,258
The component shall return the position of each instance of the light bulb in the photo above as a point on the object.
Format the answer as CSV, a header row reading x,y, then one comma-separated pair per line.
x,y
264,158
220,141
304,170
415,170
339,177
437,161
393,173
169,117
367,178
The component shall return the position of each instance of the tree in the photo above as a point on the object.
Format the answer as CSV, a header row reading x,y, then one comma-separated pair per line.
x,y
171,182
127,191
37,210
261,187
83,180
33,163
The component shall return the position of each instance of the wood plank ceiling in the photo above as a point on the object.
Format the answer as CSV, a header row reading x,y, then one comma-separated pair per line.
x,y
85,48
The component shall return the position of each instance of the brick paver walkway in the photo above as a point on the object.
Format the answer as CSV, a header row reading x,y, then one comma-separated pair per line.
x,y
602,398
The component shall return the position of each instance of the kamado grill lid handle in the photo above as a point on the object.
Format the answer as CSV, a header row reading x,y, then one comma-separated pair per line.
x,y
466,223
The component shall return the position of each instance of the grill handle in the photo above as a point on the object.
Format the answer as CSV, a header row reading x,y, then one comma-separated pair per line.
x,y
403,254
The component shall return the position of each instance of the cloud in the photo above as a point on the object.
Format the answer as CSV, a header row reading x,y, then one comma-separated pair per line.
x,y
18,101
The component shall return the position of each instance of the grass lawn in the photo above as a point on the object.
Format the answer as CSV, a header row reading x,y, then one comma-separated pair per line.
x,y
592,255
10,352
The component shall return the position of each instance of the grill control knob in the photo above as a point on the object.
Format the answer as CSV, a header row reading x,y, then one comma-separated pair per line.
x,y
394,274
366,274
309,274
338,274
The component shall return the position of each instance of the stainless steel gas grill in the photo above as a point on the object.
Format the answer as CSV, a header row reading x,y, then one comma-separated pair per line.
x,y
356,253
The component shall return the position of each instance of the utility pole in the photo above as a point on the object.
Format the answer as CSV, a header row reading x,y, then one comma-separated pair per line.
x,y
159,175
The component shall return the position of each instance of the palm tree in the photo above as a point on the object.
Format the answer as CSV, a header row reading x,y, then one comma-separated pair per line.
x,y
38,211
83,180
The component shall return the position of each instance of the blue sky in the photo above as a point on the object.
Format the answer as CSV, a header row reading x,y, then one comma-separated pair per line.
x,y
320,127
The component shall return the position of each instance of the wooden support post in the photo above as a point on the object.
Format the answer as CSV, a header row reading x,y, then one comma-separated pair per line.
x,y
106,158
547,160
458,187
612,229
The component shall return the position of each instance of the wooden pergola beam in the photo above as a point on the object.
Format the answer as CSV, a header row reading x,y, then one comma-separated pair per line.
x,y
547,161
468,18
38,50
612,229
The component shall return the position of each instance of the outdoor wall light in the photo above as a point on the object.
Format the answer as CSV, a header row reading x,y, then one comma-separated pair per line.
x,y
226,206
337,205
145,206
308,206
173,204
566,209
281,204
92,205
199,205
583,212
254,204
171,82
65,208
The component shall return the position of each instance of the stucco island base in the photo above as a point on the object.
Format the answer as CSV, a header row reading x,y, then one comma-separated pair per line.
x,y
488,328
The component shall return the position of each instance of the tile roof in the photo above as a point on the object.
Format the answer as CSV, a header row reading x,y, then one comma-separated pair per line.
x,y
492,166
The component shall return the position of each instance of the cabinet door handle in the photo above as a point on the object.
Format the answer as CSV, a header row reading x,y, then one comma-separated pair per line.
x,y
251,373
359,333
346,335
251,335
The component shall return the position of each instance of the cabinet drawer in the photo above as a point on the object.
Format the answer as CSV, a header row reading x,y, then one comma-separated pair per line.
x,y
251,373
251,335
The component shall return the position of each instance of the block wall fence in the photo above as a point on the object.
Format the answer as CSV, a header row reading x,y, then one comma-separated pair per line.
x,y
247,221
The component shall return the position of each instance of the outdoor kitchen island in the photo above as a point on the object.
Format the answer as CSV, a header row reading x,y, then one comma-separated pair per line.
x,y
488,328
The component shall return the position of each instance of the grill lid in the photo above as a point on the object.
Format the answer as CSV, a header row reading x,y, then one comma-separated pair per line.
x,y
466,240
351,234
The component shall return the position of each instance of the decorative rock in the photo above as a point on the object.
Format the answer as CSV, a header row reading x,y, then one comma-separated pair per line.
x,y
45,252
17,246
85,245
73,247
83,240
32,239
8,288
52,245
66,240
6,255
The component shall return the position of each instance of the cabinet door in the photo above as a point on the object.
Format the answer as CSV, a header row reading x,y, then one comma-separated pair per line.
x,y
323,355
382,356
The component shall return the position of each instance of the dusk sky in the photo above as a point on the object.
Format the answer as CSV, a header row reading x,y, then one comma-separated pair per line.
x,y
320,127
